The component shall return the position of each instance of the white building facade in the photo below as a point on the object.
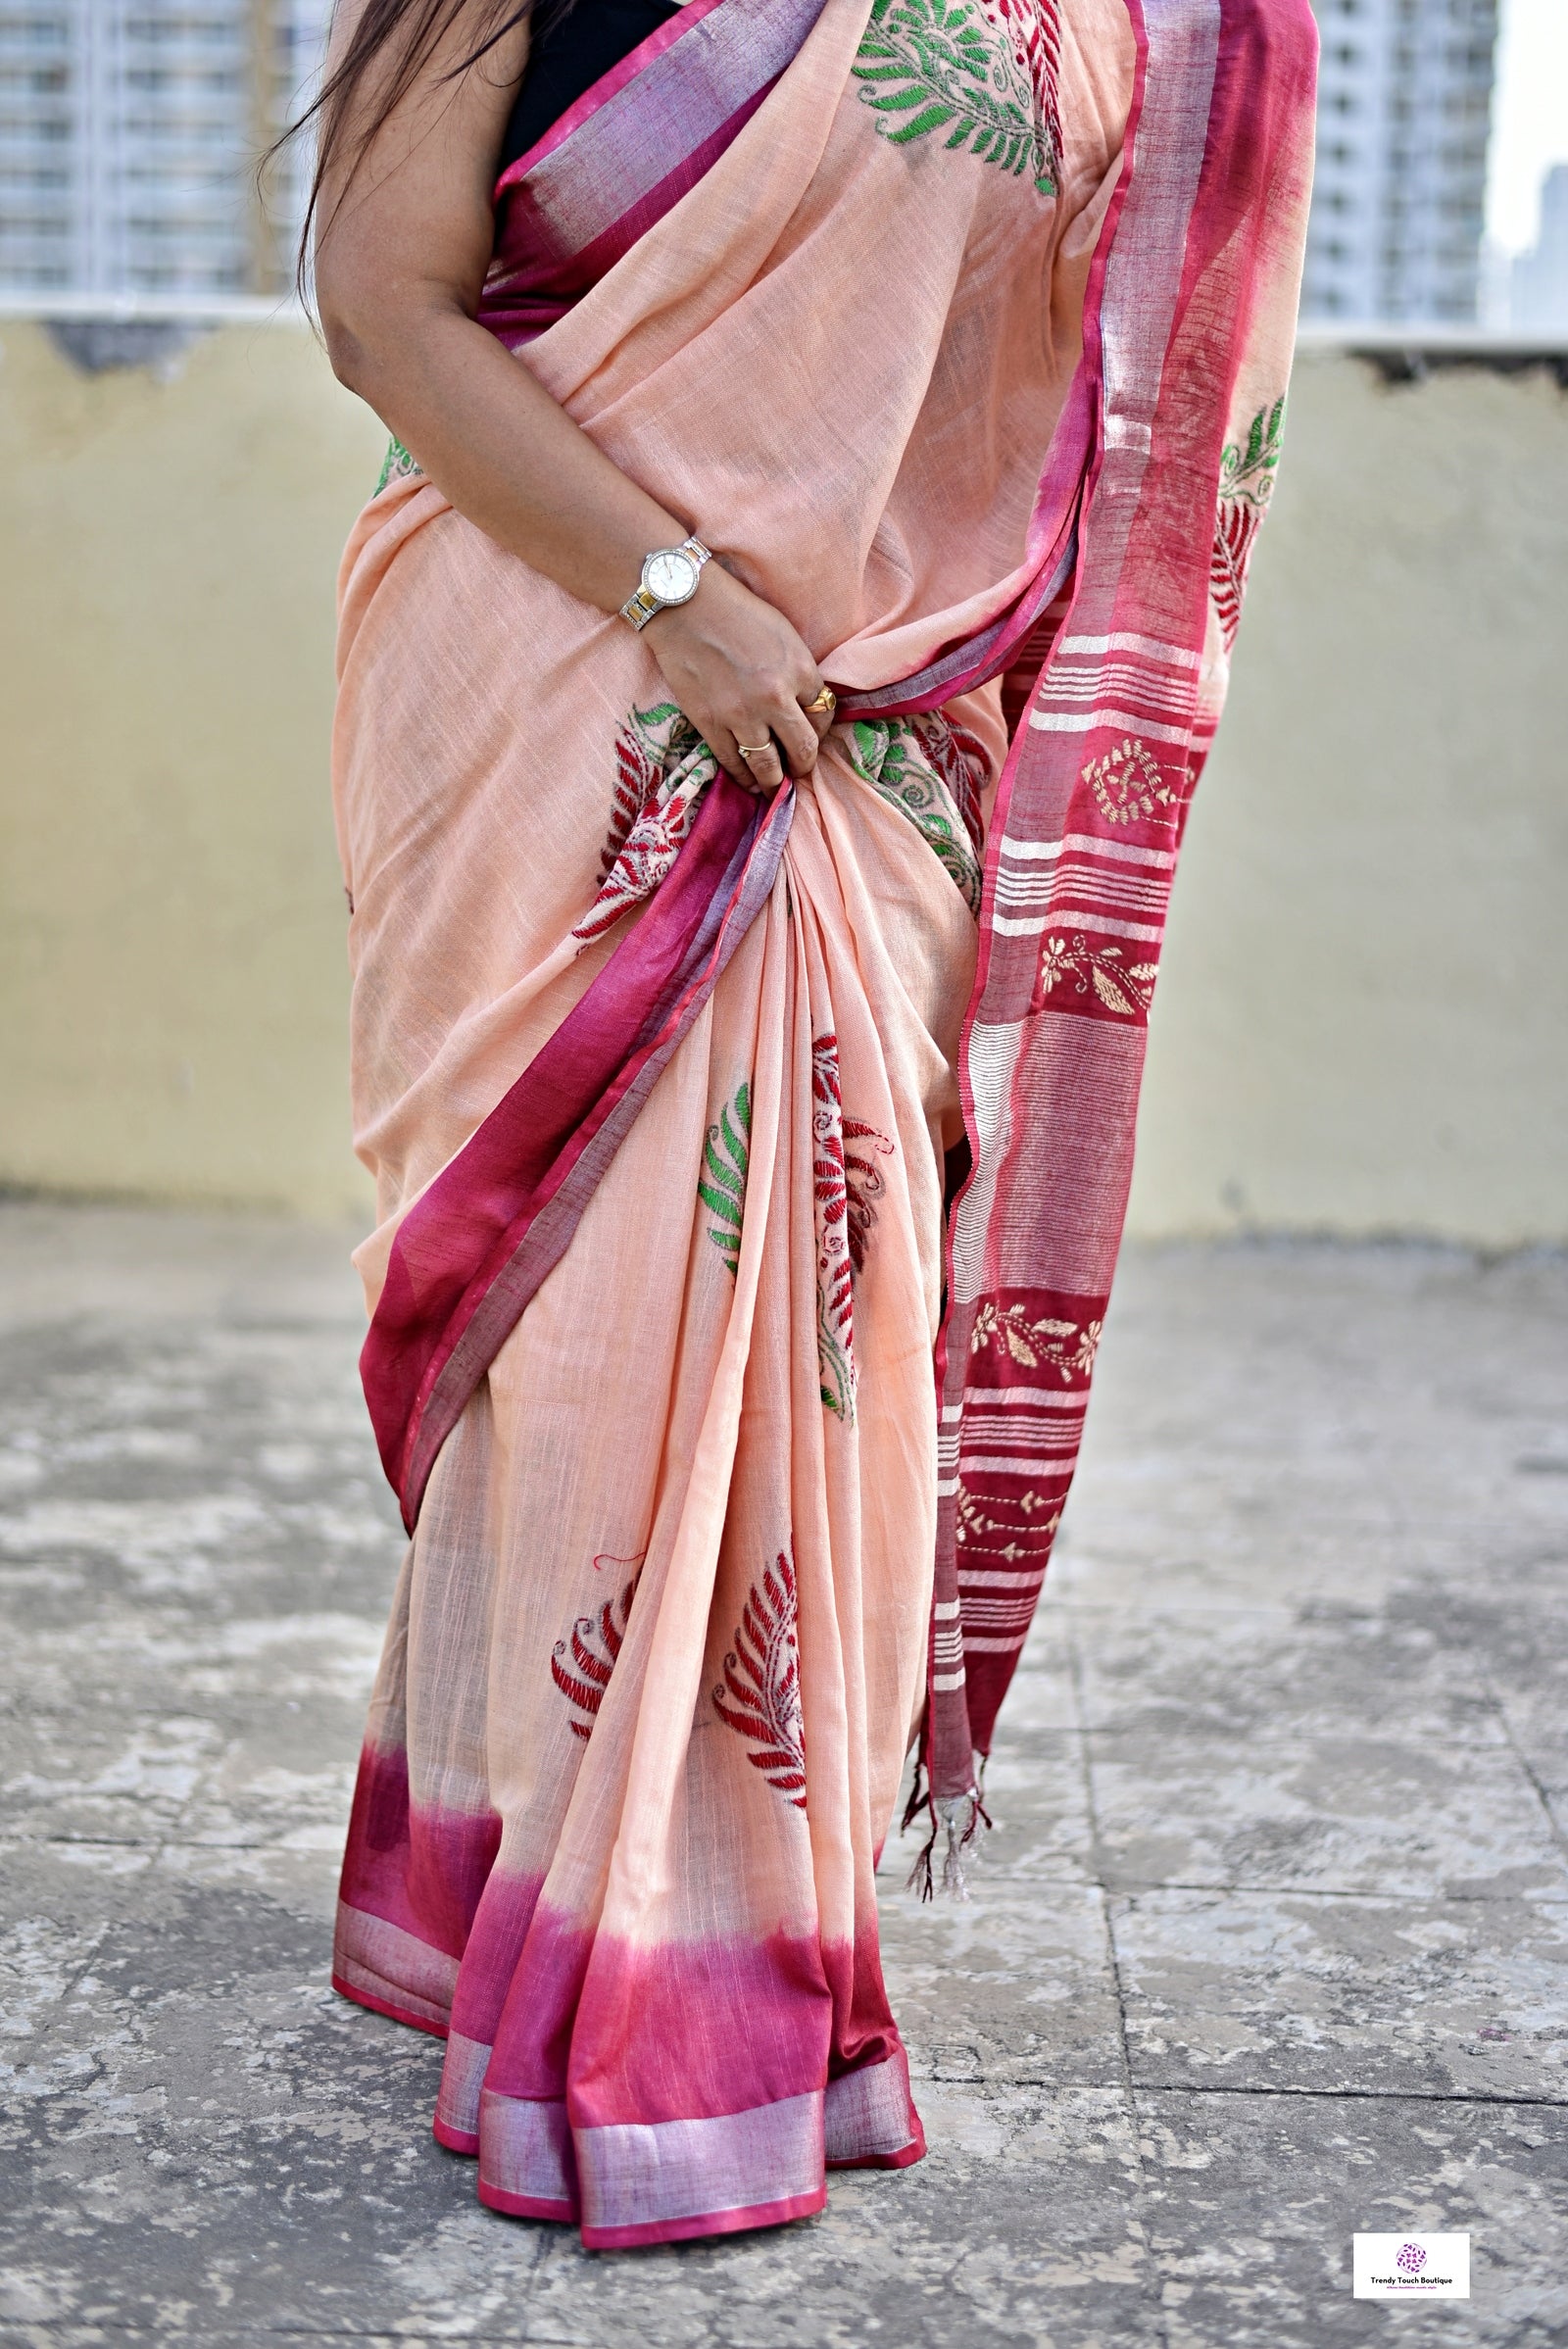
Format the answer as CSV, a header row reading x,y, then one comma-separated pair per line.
x,y
1404,118
1539,294
130,136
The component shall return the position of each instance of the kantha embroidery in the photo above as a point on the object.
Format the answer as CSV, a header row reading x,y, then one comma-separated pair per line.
x,y
1121,986
931,771
581,1666
760,1695
846,1182
663,767
1065,1346
1128,782
398,466
984,70
976,1530
726,1159
1246,472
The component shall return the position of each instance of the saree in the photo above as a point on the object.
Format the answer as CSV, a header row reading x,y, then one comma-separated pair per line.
x,y
749,1174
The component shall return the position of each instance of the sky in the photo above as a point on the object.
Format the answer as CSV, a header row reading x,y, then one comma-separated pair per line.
x,y
1529,119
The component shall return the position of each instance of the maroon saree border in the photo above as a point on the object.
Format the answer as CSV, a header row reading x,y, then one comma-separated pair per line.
x,y
478,1242
626,152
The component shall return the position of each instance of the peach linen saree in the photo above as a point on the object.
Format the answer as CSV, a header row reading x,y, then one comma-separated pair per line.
x,y
730,1470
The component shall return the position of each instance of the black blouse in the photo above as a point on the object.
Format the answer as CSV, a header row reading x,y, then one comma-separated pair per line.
x,y
568,52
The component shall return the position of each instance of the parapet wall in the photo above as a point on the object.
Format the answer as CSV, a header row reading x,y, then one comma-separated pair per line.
x,y
1360,1024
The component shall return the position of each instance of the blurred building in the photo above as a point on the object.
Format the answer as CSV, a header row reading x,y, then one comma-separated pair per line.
x,y
1404,109
1539,293
129,134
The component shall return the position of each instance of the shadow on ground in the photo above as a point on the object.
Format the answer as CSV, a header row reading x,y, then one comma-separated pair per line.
x,y
1269,1943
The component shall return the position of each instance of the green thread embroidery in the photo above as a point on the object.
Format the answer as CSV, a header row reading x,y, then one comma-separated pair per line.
x,y
951,68
896,757
1246,470
835,1370
399,465
726,1155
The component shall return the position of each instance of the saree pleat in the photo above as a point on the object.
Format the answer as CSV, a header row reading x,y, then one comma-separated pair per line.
x,y
658,1648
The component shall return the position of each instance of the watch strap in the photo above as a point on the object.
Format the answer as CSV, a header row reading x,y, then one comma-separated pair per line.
x,y
640,607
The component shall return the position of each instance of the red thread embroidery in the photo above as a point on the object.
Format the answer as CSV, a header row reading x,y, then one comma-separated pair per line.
x,y
581,1666
760,1695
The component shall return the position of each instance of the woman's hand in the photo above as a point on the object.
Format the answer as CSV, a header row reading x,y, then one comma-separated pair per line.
x,y
743,678
402,249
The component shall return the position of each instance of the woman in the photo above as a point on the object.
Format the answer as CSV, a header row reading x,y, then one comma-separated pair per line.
x,y
942,325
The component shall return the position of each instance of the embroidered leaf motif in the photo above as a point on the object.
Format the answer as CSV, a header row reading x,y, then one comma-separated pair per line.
x,y
1068,1347
582,1664
977,1528
721,1187
1125,988
760,1695
663,767
398,466
847,1183
1246,472
932,772
1248,468
985,71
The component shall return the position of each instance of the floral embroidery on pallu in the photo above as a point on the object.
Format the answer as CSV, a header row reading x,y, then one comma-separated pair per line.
x,y
1069,1348
581,1665
1245,485
398,466
721,1187
985,71
931,770
1129,783
663,767
1123,987
846,1184
760,1695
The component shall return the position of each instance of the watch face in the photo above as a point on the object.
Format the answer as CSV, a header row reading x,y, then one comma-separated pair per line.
x,y
672,575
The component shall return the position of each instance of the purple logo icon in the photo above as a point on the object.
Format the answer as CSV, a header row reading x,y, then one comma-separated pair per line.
x,y
1410,2259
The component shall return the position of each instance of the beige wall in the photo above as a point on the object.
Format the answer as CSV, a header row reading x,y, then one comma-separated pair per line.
x,y
1362,1020
1360,1024
172,918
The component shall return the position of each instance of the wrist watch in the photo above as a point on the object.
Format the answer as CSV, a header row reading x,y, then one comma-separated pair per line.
x,y
669,577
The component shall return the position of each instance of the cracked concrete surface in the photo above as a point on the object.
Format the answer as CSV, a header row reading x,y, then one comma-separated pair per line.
x,y
1270,1941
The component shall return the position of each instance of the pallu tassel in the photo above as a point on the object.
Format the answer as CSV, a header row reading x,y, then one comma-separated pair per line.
x,y
962,1814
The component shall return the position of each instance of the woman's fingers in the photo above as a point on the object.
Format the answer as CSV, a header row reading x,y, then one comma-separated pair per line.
x,y
820,718
797,736
760,758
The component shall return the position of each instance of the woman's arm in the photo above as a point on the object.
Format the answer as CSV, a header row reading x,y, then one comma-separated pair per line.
x,y
400,260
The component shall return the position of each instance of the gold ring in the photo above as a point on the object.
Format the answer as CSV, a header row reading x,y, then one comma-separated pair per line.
x,y
753,749
826,700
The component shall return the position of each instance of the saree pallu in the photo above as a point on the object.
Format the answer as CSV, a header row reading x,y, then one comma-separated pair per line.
x,y
659,1085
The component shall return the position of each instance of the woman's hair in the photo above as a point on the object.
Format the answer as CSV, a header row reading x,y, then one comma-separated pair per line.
x,y
397,39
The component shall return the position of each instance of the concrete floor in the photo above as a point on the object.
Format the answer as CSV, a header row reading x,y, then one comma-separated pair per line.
x,y
1270,1943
